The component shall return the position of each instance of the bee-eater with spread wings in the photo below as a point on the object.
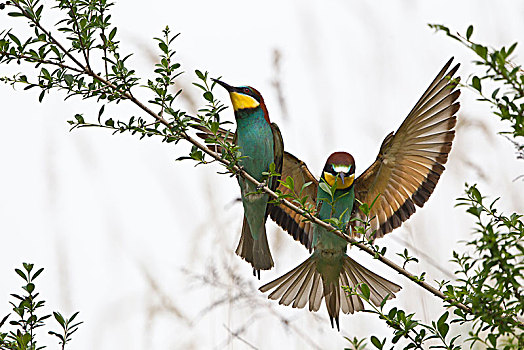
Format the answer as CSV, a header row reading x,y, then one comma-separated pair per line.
x,y
260,145
405,173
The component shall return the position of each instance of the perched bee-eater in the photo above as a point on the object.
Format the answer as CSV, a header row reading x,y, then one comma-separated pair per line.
x,y
329,267
405,173
260,144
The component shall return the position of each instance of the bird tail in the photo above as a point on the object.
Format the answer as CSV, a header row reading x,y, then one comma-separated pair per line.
x,y
256,252
305,284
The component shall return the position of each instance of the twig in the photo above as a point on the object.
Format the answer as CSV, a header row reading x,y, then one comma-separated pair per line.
x,y
84,50
235,334
33,59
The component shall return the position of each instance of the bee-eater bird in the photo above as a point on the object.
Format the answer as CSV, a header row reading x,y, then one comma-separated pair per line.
x,y
329,267
405,173
260,144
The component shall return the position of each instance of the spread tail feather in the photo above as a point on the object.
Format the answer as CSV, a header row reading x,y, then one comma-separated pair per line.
x,y
305,285
255,252
245,246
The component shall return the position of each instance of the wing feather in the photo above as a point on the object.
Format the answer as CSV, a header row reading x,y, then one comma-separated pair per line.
x,y
286,218
411,160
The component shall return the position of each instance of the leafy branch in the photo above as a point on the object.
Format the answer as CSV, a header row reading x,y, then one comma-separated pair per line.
x,y
406,326
26,308
507,97
60,69
489,281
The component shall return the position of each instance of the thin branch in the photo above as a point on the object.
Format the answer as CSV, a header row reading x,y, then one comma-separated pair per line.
x,y
39,60
48,34
236,335
104,40
84,50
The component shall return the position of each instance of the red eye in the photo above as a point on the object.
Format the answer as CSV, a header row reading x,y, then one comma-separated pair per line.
x,y
246,90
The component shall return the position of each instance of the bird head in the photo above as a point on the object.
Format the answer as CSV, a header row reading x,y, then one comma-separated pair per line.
x,y
340,167
245,99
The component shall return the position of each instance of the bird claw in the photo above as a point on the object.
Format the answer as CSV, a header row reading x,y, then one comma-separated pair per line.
x,y
262,185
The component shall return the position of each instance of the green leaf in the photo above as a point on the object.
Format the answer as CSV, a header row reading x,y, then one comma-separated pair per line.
x,y
304,186
476,194
364,208
475,83
68,79
79,119
469,32
59,318
443,329
15,39
15,14
112,33
28,267
511,49
365,291
200,75
163,47
377,343
101,111
442,326
208,96
37,273
21,273
482,51
492,339
324,186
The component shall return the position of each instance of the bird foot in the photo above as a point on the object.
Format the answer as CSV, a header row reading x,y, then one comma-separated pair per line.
x,y
256,272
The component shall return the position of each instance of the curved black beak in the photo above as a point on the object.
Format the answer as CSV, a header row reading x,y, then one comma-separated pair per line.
x,y
228,87
342,177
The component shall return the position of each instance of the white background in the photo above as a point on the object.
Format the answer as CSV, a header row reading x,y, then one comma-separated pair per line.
x,y
125,233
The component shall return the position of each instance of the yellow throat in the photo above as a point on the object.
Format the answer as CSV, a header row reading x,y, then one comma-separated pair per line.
x,y
330,179
241,101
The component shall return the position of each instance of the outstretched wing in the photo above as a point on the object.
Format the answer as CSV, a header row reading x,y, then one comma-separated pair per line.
x,y
410,161
286,218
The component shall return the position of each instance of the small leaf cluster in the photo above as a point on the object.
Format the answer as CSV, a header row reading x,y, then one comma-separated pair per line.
x,y
356,344
338,222
88,32
491,275
362,227
27,309
167,71
507,96
68,328
489,282
178,121
217,137
296,196
417,334
407,258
